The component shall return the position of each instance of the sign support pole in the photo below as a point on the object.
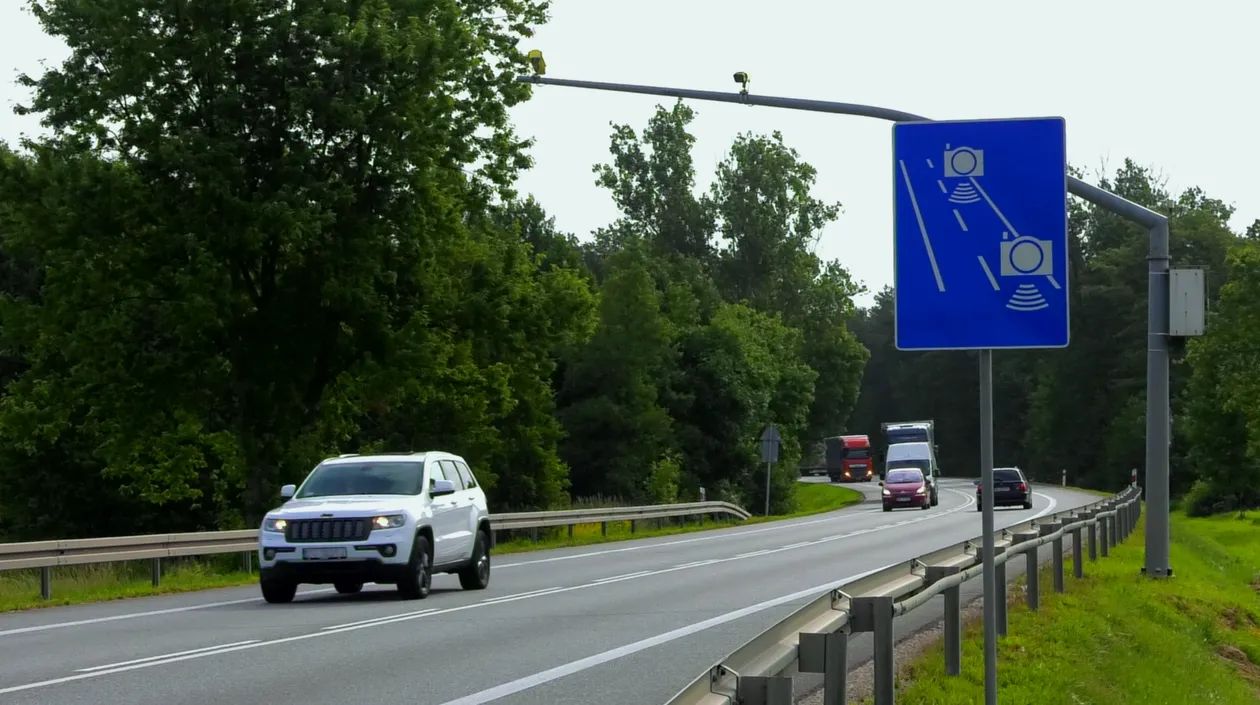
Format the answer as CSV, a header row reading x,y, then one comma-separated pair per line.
x,y
767,489
987,547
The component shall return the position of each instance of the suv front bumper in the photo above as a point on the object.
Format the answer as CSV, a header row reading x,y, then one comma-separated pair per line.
x,y
335,571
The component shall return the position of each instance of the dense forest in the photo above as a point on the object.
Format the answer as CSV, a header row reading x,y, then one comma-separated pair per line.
x,y
256,234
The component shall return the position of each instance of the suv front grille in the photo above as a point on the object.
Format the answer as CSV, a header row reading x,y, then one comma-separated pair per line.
x,y
300,530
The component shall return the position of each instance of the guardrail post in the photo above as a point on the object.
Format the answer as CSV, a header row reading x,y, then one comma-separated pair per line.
x,y
155,571
570,531
875,614
1078,553
1056,556
826,653
1104,536
248,560
603,528
1115,528
999,573
953,617
45,583
632,525
1092,530
764,690
1032,590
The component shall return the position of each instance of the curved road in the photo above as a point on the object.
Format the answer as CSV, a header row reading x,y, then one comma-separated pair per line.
x,y
628,622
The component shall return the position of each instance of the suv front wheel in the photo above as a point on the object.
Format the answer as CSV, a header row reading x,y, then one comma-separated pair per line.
x,y
476,575
415,584
277,591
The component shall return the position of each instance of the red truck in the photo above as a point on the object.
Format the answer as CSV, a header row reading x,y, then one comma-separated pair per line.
x,y
848,458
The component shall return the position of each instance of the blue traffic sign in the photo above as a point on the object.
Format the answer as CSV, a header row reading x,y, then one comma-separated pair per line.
x,y
981,244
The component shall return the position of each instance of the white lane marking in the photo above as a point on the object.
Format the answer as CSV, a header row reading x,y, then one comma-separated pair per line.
x,y
154,658
697,564
988,273
379,619
624,576
568,669
521,594
927,243
149,613
1049,507
961,223
664,544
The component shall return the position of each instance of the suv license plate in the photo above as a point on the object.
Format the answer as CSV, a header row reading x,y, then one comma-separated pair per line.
x,y
323,554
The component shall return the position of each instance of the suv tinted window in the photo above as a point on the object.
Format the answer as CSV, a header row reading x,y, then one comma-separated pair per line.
x,y
466,474
1007,475
334,479
448,467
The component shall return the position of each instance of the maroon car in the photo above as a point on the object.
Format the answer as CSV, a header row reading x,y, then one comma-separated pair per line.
x,y
904,487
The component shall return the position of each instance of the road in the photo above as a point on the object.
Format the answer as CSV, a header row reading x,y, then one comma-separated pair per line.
x,y
628,622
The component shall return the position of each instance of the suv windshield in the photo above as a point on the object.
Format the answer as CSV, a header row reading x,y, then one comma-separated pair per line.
x,y
363,478
898,476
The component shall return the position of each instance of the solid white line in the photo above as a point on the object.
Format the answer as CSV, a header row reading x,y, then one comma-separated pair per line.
x,y
164,656
568,669
623,576
379,619
993,205
927,243
1053,282
988,273
961,223
150,613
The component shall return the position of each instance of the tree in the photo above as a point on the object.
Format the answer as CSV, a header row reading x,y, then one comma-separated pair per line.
x,y
259,230
1222,409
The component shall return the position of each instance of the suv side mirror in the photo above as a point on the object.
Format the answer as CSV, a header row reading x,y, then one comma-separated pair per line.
x,y
288,491
440,488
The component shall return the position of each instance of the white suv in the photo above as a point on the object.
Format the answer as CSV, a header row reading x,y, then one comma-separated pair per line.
x,y
393,519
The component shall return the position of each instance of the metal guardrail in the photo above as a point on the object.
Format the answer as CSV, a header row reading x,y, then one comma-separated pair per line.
x,y
814,638
46,555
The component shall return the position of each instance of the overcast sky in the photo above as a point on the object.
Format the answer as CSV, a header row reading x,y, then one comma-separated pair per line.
x,y
1169,84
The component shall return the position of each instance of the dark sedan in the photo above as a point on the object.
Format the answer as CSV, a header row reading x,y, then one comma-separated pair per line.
x,y
1010,488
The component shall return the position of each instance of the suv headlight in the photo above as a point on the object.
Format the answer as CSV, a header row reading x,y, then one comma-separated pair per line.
x,y
389,521
275,525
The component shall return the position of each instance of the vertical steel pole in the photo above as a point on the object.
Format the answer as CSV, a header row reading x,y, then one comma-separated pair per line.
x,y
155,571
45,583
991,596
1078,555
1157,423
884,651
834,677
767,488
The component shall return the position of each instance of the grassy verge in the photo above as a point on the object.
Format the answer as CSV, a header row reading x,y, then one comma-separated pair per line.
x,y
810,499
19,589
1116,637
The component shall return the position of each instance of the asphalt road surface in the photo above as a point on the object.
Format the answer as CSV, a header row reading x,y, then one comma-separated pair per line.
x,y
622,623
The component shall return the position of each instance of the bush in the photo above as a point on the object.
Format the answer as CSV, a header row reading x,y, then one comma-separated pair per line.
x,y
1205,498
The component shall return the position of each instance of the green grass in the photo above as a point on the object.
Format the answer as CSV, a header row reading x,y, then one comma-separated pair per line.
x,y
810,499
19,589
1117,637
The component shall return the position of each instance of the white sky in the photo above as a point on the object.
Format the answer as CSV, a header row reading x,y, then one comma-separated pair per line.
x,y
1171,84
